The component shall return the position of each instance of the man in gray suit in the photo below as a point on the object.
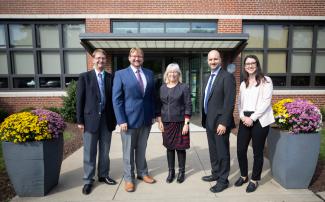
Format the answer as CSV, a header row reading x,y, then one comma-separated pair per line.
x,y
217,117
95,116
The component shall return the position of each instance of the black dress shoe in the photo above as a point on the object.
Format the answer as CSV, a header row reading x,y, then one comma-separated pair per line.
x,y
87,189
241,181
107,180
219,187
209,178
251,187
181,177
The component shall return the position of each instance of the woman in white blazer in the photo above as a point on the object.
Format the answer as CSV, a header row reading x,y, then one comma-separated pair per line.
x,y
255,112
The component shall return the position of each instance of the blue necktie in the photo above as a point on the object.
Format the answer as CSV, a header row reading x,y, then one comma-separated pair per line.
x,y
140,81
208,93
101,90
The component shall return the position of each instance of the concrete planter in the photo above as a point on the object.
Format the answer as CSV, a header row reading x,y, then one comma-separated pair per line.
x,y
293,158
33,167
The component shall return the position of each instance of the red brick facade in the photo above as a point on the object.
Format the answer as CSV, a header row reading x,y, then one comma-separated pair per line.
x,y
179,7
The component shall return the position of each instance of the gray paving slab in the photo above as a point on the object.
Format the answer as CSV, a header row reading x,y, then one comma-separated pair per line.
x,y
193,189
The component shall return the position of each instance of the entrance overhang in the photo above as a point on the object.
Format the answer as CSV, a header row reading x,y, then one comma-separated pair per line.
x,y
231,43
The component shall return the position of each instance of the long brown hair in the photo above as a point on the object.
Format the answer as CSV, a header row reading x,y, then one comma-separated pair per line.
x,y
259,76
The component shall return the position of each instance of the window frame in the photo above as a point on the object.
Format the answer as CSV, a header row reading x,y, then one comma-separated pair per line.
x,y
36,50
290,50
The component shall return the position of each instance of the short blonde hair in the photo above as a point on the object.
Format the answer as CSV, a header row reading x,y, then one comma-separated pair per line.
x,y
99,50
138,50
173,67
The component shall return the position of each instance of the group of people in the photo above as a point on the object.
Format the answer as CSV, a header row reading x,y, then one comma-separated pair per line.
x,y
130,101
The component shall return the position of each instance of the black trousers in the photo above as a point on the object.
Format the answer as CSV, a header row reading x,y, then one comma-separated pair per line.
x,y
219,155
258,135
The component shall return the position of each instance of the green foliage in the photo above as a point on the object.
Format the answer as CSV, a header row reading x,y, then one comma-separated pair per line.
x,y
27,109
54,109
322,111
67,136
3,114
69,103
322,145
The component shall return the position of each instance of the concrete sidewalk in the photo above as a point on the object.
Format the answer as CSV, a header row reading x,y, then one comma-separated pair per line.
x,y
193,189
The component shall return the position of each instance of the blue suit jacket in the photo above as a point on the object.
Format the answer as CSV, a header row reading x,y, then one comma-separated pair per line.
x,y
130,105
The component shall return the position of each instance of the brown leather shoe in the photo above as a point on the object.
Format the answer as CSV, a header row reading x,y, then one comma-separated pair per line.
x,y
147,179
129,187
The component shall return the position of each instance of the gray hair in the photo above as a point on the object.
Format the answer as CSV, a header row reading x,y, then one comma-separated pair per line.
x,y
173,67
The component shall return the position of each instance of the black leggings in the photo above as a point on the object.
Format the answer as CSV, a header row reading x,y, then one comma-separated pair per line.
x,y
258,135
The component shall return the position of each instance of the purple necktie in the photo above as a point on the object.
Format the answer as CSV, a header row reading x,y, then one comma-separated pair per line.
x,y
140,81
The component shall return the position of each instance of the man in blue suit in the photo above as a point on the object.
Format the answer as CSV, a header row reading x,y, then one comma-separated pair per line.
x,y
95,117
133,101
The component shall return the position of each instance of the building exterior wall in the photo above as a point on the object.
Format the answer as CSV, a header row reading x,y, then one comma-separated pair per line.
x,y
96,17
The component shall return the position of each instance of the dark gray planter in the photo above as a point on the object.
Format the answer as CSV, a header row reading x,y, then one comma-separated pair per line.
x,y
33,167
293,158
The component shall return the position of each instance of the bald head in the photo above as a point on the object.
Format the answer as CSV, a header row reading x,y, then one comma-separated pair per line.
x,y
214,59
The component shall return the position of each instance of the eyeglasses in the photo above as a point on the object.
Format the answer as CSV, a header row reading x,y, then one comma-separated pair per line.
x,y
250,64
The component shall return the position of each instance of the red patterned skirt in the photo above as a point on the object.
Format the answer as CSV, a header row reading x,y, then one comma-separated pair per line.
x,y
173,138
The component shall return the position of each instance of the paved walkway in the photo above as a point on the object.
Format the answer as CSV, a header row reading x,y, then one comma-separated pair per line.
x,y
193,189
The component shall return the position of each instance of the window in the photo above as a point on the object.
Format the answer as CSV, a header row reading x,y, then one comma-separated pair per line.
x,y
291,53
40,54
152,26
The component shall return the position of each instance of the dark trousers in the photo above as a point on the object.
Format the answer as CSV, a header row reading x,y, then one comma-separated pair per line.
x,y
219,155
258,135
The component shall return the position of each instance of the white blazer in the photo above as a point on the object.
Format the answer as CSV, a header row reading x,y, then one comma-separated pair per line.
x,y
263,107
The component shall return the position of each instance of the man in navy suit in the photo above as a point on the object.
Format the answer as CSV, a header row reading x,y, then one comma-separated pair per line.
x,y
133,101
218,103
95,117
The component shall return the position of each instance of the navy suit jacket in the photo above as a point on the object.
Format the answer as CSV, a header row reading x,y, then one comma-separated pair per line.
x,y
130,105
88,99
221,102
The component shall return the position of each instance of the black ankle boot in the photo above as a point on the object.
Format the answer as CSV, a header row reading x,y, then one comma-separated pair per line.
x,y
181,176
171,165
171,176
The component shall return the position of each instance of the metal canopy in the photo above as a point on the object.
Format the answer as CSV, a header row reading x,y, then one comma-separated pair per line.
x,y
233,43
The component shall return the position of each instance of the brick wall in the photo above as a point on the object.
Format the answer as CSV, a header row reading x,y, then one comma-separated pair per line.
x,y
14,104
205,7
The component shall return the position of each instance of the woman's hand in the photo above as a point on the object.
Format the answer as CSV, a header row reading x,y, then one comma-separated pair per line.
x,y
186,128
161,126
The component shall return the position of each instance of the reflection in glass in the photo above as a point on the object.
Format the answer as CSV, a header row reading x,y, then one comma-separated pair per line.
x,y
256,35
69,79
49,36
302,37
25,82
301,62
24,63
125,27
321,37
2,37
177,27
300,81
71,35
151,27
3,82
50,63
278,80
278,36
75,62
320,81
277,62
320,62
204,27
50,82
20,36
3,63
